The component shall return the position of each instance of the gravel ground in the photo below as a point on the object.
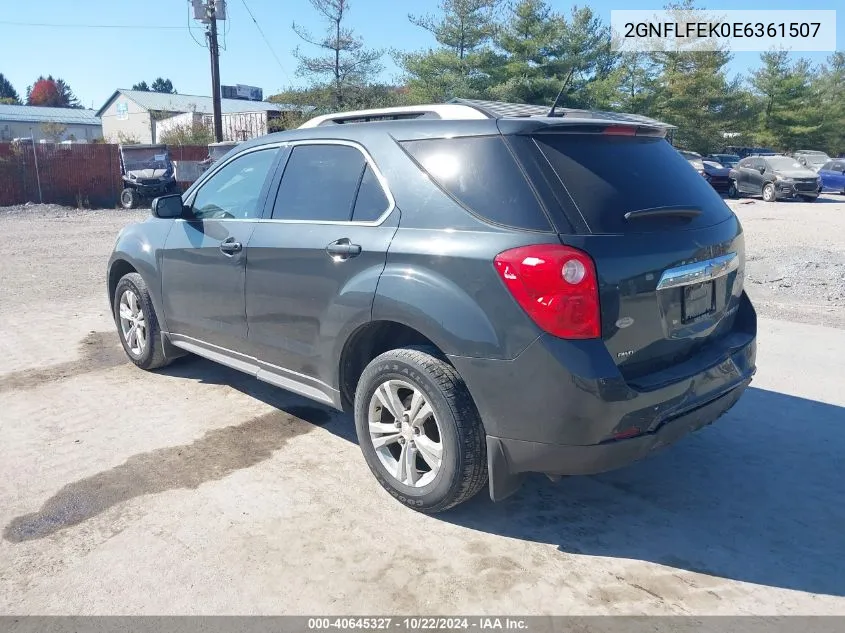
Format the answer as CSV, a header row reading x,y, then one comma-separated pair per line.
x,y
796,258
200,490
76,242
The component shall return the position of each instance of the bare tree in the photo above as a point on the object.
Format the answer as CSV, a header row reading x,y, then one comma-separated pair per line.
x,y
345,64
53,130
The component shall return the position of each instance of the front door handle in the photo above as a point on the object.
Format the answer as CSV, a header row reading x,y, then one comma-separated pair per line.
x,y
343,249
229,246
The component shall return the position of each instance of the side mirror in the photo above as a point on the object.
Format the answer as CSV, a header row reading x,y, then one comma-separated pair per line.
x,y
763,170
168,207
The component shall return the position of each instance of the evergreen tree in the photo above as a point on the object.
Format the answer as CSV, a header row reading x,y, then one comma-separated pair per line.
x,y
692,91
790,113
66,96
584,59
162,85
528,39
632,84
8,94
463,63
546,52
346,65
829,86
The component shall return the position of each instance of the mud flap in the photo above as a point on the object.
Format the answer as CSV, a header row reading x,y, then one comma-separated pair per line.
x,y
171,352
503,483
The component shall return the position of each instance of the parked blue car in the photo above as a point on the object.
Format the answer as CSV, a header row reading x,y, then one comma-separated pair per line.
x,y
832,174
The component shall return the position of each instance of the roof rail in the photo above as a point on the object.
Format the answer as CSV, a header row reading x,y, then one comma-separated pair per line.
x,y
428,111
456,109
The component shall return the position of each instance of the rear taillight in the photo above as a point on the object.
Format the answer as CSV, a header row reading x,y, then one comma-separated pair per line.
x,y
556,285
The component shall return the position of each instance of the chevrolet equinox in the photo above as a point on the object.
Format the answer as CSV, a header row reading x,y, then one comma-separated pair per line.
x,y
491,290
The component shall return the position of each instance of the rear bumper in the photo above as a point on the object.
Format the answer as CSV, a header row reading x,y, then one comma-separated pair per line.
x,y
560,406
510,458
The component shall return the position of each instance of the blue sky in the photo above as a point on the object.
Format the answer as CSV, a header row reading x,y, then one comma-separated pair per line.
x,y
96,61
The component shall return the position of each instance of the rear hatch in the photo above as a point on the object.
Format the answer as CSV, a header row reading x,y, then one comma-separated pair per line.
x,y
668,251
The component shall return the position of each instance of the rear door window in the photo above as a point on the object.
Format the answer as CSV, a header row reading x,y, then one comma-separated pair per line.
x,y
607,176
319,183
480,173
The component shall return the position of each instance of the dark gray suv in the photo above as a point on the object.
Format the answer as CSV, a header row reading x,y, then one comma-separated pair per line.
x,y
492,291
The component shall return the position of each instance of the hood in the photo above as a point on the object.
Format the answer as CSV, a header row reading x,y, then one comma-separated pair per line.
x,y
715,169
796,173
144,174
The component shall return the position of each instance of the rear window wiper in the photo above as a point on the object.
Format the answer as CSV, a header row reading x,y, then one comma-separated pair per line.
x,y
664,212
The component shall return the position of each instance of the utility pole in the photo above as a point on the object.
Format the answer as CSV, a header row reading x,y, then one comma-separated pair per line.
x,y
211,13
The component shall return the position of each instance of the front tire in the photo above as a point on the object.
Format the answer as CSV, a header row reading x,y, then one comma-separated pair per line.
x,y
733,192
129,198
419,430
769,194
137,323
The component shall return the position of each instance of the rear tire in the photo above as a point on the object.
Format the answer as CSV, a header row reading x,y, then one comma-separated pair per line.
x,y
129,198
435,456
769,193
137,323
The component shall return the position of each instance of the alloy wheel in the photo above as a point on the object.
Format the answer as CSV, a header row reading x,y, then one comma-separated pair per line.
x,y
133,324
768,193
405,433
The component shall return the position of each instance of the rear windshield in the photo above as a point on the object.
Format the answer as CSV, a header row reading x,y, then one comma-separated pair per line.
x,y
608,176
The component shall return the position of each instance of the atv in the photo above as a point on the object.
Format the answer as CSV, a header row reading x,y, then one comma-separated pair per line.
x,y
147,173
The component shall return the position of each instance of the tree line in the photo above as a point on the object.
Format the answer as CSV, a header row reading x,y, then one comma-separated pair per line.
x,y
526,52
56,93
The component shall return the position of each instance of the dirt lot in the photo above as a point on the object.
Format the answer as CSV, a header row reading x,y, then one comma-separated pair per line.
x,y
201,490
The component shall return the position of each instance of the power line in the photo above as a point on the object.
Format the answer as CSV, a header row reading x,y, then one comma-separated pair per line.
x,y
191,32
90,26
266,41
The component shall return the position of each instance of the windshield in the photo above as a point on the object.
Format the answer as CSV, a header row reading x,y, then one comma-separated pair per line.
x,y
153,158
782,162
729,158
817,159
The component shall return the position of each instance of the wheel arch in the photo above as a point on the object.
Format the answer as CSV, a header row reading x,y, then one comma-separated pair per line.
x,y
117,269
369,341
137,250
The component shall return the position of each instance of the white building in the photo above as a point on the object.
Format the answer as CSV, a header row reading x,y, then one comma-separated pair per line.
x,y
55,124
134,115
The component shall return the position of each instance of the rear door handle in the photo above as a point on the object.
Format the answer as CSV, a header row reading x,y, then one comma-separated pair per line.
x,y
229,246
343,249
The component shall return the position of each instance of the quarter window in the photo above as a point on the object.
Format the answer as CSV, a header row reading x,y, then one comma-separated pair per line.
x,y
371,202
234,192
320,183
481,174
